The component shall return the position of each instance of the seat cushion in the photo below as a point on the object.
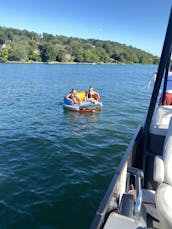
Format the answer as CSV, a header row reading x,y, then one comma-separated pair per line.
x,y
119,221
149,202
167,156
158,173
164,204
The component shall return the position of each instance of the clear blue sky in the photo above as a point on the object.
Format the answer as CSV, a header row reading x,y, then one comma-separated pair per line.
x,y
140,23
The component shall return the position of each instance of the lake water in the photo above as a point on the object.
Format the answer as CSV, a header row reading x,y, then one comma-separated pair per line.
x,y
55,166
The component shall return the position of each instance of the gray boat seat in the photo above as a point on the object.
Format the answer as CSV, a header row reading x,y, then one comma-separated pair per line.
x,y
119,221
163,175
148,200
161,119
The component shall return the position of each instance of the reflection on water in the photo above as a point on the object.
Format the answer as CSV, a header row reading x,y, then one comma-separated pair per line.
x,y
79,124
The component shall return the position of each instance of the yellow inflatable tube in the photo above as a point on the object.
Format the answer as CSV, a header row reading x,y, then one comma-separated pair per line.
x,y
81,95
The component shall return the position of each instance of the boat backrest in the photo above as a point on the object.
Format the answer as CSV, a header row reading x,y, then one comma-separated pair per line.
x,y
167,155
119,221
160,120
163,175
163,164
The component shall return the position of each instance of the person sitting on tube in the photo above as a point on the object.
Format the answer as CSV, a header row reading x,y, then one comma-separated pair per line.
x,y
92,96
72,97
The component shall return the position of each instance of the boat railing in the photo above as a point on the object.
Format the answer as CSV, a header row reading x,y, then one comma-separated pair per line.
x,y
117,187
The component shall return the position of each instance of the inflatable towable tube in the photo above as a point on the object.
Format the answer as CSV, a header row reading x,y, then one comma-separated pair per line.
x,y
84,106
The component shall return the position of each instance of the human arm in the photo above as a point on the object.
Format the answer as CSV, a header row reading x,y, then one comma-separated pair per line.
x,y
69,97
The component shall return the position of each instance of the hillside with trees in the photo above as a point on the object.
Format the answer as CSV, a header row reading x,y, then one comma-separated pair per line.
x,y
26,46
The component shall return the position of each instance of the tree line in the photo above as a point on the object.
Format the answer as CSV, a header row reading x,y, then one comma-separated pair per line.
x,y
25,46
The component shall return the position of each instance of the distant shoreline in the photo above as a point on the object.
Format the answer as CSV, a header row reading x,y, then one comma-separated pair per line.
x,y
58,63
51,62
31,47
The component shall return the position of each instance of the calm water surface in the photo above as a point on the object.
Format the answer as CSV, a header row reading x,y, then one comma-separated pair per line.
x,y
54,165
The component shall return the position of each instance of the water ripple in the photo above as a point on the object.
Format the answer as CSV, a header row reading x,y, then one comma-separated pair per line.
x,y
55,165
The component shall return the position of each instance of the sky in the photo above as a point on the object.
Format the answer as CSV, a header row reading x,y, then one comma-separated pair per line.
x,y
141,24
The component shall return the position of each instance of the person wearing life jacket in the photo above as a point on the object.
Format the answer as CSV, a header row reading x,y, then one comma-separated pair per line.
x,y
72,97
92,96
168,94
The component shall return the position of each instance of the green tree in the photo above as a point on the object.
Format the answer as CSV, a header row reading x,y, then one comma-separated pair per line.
x,y
2,38
145,60
18,52
90,57
48,53
34,55
61,56
156,60
4,55
24,45
79,57
134,58
103,56
48,37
